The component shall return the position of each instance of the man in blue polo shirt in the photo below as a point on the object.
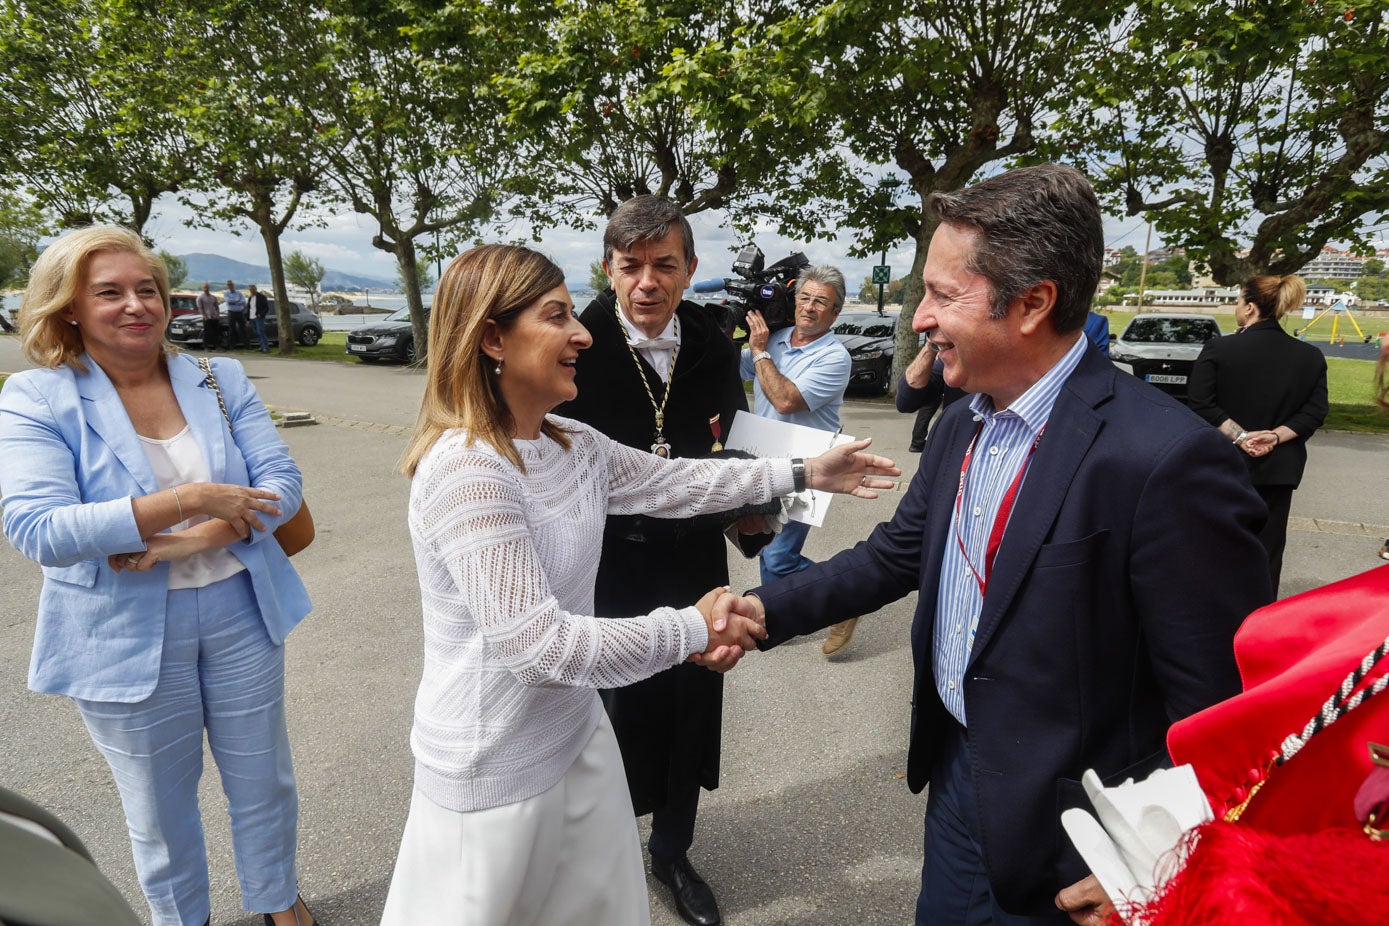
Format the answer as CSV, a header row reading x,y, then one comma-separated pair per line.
x,y
799,375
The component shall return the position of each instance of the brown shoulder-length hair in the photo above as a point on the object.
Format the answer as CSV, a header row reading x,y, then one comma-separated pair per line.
x,y
492,283
1274,296
44,335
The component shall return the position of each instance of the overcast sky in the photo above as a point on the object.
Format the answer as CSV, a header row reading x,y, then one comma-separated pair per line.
x,y
344,243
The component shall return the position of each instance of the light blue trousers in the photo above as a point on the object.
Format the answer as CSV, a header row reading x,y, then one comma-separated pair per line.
x,y
219,672
782,557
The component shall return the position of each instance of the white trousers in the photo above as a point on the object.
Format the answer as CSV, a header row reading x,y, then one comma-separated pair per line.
x,y
568,856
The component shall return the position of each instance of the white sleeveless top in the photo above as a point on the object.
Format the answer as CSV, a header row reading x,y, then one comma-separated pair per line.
x,y
176,461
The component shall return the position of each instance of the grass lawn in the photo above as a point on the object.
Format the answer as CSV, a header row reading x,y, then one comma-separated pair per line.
x,y
332,347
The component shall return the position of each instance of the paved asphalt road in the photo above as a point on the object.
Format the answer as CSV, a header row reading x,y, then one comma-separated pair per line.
x,y
813,825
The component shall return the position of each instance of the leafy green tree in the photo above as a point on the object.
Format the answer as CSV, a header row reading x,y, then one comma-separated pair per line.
x,y
963,89
1252,120
610,106
249,108
21,226
176,266
419,153
88,123
306,273
597,277
1374,267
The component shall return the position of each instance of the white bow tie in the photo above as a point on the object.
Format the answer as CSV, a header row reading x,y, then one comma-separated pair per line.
x,y
656,343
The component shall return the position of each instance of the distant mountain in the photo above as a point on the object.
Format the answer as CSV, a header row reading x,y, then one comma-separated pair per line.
x,y
217,270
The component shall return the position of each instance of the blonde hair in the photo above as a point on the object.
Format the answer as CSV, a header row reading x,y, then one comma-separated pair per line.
x,y
1273,296
45,336
492,283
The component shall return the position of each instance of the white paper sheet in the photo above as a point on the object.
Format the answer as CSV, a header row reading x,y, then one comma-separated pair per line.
x,y
766,437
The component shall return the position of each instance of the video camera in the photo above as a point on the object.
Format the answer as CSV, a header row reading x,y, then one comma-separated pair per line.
x,y
769,290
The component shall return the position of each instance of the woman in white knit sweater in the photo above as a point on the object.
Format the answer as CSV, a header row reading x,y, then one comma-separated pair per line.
x,y
520,812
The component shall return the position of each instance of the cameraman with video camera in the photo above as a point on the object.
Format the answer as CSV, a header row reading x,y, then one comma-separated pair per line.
x,y
799,375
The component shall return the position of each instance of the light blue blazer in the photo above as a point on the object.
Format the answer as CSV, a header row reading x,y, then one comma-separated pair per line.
x,y
70,463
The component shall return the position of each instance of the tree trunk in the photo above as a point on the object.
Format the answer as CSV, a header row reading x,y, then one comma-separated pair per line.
x,y
283,316
404,248
912,292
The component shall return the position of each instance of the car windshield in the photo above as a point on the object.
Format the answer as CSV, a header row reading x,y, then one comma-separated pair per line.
x,y
399,315
1172,330
866,324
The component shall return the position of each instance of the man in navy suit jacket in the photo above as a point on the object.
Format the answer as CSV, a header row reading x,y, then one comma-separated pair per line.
x,y
1083,547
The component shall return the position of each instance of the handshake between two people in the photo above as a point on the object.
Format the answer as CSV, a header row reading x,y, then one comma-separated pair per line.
x,y
737,622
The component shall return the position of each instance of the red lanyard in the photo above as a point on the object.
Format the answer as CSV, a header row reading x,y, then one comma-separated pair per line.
x,y
1005,510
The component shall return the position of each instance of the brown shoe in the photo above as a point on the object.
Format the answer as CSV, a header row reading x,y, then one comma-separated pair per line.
x,y
840,635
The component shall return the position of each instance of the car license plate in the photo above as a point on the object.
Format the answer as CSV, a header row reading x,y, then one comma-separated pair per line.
x,y
356,347
1166,378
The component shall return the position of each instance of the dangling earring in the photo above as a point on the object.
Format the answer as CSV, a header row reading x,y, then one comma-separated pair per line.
x,y
498,368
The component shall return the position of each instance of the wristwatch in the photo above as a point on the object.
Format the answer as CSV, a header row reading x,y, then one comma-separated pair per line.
x,y
798,474
760,355
1239,439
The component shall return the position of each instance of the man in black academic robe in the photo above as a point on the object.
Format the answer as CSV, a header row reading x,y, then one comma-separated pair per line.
x,y
668,726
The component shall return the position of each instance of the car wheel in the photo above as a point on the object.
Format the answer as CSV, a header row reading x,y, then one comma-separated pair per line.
x,y
407,351
309,336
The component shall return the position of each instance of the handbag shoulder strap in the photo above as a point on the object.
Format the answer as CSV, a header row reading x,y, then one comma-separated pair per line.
x,y
206,366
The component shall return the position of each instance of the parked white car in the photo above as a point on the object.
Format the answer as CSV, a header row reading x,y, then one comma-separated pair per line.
x,y
1160,348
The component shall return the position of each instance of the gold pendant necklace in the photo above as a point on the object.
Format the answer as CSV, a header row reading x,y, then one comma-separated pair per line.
x,y
661,447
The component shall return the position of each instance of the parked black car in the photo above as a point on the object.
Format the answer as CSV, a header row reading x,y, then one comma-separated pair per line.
x,y
1161,348
390,337
869,338
187,330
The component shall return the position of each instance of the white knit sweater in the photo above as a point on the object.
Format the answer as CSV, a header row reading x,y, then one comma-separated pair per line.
x,y
507,561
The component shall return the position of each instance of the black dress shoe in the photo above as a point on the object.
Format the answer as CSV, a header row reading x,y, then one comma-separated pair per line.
x,y
694,900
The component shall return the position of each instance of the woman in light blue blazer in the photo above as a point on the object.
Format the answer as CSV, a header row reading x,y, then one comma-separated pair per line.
x,y
166,599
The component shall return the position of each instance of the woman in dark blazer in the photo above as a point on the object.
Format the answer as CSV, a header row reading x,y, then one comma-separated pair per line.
x,y
1266,391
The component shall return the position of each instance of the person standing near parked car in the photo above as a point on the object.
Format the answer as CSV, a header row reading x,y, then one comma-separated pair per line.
x,y
212,318
235,304
1266,391
259,307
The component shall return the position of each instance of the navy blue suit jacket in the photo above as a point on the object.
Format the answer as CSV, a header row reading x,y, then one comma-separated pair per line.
x,y
1130,559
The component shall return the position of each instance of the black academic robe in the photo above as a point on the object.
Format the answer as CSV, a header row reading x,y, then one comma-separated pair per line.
x,y
668,726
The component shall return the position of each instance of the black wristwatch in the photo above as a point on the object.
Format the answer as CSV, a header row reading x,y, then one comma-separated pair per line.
x,y
798,473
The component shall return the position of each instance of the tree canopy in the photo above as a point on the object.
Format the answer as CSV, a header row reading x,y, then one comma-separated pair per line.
x,y
1259,121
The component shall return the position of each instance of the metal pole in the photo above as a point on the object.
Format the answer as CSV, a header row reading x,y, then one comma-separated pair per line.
x,y
882,287
1143,267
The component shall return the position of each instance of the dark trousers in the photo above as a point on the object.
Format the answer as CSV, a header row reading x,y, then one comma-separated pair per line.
x,y
672,829
212,334
237,335
1274,536
954,880
259,323
924,414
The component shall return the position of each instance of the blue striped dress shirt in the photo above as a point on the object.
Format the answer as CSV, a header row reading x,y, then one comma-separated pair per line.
x,y
1002,448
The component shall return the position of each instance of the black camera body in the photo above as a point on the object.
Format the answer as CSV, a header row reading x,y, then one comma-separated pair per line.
x,y
769,290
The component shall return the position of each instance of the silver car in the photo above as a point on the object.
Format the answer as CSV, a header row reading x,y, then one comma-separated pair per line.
x,y
1160,348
